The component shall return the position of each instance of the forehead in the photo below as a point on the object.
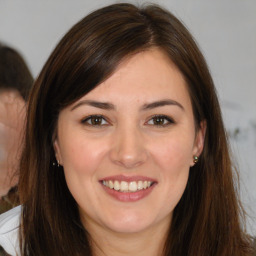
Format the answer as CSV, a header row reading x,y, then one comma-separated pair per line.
x,y
144,77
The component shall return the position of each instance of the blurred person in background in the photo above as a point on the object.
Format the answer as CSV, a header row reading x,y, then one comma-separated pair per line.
x,y
15,83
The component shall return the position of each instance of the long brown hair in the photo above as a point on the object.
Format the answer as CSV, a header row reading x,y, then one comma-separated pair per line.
x,y
206,221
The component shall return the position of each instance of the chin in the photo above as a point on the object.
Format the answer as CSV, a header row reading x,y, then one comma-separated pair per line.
x,y
128,228
129,223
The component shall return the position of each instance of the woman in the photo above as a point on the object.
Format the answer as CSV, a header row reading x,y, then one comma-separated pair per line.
x,y
125,149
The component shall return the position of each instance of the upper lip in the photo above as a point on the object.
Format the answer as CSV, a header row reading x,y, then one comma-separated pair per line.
x,y
128,178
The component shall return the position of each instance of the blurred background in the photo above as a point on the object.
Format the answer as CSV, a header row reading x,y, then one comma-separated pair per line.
x,y
225,31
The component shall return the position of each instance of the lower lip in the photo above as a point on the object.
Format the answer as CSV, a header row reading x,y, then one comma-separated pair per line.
x,y
129,196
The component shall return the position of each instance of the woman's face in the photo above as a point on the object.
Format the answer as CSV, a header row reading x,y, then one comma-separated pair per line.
x,y
127,146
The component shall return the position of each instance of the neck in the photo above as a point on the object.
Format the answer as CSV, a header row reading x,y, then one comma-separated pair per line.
x,y
149,242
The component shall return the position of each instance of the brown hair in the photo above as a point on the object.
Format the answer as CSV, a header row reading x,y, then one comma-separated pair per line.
x,y
206,221
14,72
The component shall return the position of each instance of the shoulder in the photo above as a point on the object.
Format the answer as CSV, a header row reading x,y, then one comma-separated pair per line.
x,y
9,230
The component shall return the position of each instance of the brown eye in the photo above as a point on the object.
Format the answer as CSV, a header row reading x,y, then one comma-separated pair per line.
x,y
160,120
95,121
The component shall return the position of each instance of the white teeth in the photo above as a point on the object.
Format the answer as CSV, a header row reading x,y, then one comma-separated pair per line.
x,y
125,186
116,185
110,184
145,184
140,185
133,186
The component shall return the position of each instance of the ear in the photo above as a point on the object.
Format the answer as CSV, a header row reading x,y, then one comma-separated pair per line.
x,y
56,148
199,140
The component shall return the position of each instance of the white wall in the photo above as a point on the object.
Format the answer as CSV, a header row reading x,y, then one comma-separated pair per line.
x,y
224,29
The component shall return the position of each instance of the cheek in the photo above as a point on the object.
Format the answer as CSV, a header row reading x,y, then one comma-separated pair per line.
x,y
173,158
81,156
81,160
175,166
173,153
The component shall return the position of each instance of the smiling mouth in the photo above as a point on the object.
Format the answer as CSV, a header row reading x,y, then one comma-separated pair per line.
x,y
124,186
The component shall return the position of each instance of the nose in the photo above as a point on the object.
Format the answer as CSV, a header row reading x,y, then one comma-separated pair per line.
x,y
128,149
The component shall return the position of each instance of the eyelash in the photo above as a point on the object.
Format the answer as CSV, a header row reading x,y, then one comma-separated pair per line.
x,y
89,118
167,120
163,117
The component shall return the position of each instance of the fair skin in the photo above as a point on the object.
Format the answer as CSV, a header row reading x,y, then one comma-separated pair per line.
x,y
135,129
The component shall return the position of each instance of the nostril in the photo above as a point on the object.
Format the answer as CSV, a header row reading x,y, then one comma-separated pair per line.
x,y
129,162
128,147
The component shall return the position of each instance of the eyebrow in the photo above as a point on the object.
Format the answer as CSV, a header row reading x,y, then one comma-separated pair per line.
x,y
96,104
161,103
110,106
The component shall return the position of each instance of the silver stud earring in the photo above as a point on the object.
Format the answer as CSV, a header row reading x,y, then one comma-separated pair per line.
x,y
58,163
